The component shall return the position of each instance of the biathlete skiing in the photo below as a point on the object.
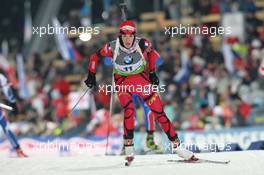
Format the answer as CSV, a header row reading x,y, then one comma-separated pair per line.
x,y
133,61
7,91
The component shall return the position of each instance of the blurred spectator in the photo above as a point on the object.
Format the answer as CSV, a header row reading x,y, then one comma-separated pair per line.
x,y
61,85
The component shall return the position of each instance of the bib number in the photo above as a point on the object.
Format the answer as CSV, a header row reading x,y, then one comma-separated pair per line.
x,y
128,69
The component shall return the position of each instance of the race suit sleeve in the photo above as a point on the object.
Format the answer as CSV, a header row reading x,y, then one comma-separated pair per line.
x,y
7,89
105,51
152,54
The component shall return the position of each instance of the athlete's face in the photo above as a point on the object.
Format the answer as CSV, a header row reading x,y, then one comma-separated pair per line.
x,y
127,40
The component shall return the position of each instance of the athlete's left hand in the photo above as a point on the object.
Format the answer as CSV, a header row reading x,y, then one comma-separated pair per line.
x,y
153,78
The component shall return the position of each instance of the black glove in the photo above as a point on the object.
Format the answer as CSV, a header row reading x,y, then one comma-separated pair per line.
x,y
15,108
91,80
153,78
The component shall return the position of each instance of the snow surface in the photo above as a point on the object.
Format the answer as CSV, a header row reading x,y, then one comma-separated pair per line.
x,y
242,163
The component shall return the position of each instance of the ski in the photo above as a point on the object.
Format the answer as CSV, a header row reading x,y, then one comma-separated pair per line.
x,y
200,161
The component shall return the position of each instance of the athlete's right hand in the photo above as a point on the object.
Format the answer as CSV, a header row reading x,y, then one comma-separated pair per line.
x,y
91,80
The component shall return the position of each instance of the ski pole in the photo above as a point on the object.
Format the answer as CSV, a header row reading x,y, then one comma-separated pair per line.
x,y
80,98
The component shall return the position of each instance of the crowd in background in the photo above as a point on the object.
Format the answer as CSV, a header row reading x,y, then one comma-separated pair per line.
x,y
201,93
